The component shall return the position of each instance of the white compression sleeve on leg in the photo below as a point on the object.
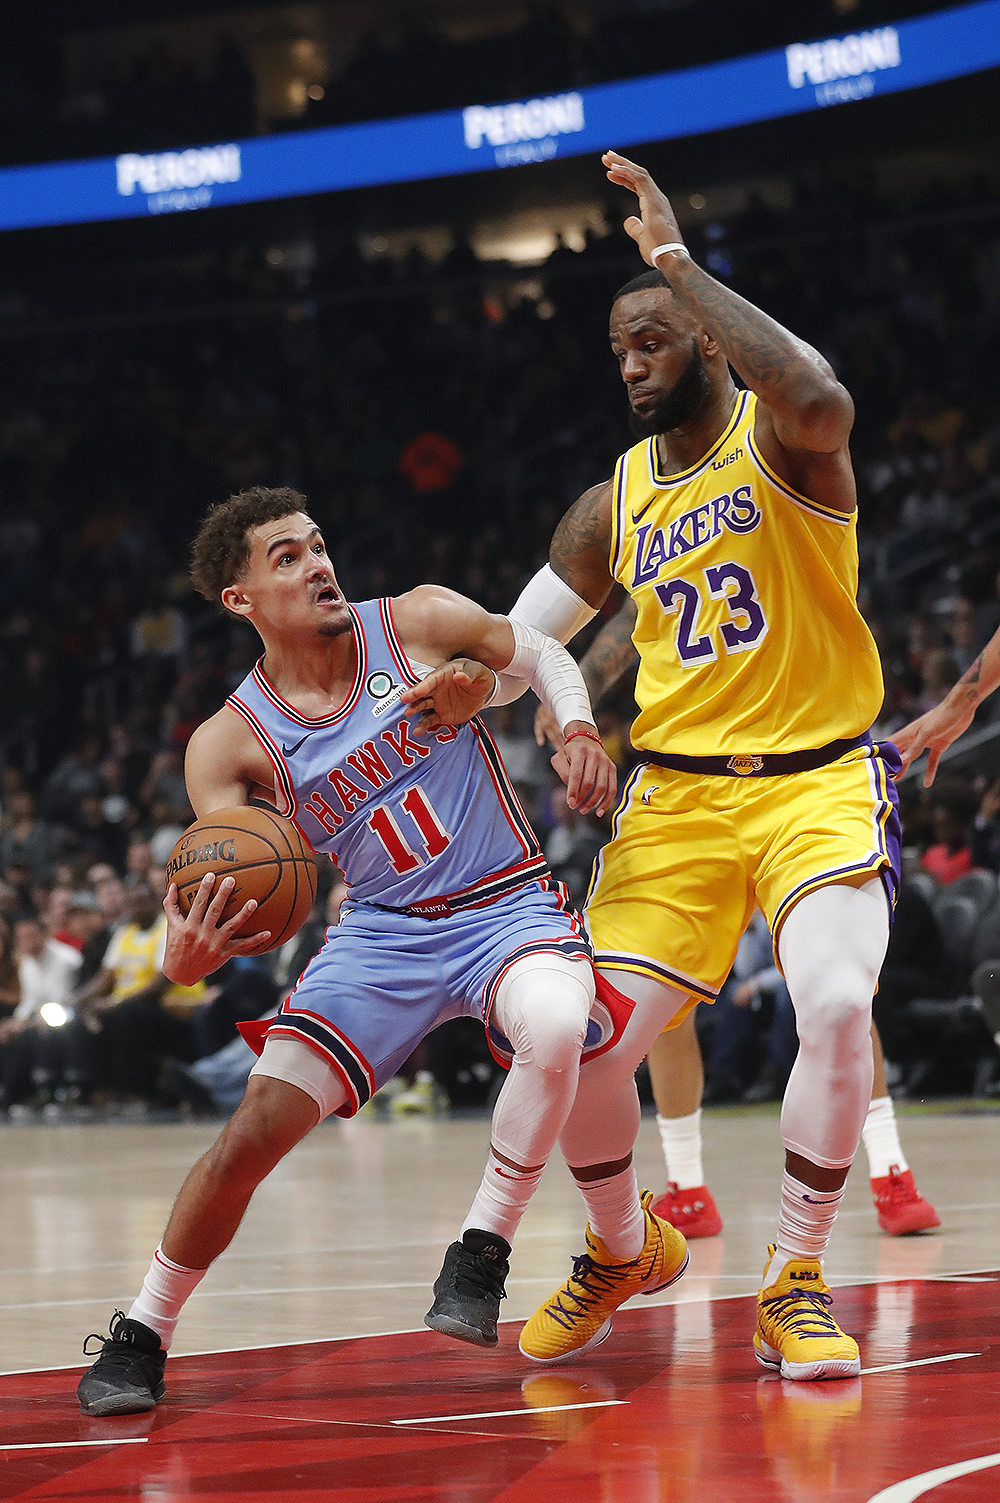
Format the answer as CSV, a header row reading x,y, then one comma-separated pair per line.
x,y
541,1006
548,668
549,605
831,948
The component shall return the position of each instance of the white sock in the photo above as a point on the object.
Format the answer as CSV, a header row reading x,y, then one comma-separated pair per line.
x,y
880,1136
164,1290
681,1139
616,1213
804,1223
501,1198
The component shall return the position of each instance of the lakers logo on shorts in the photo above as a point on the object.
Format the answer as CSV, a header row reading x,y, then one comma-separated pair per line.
x,y
745,765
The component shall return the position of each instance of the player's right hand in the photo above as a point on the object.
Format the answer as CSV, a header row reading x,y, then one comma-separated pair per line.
x,y
198,944
655,224
590,776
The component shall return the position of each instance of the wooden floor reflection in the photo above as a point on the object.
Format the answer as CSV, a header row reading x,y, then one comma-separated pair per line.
x,y
321,1382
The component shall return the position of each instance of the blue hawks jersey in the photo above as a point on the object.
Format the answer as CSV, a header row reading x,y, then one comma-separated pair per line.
x,y
412,821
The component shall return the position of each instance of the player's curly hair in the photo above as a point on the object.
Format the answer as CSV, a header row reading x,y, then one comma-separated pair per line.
x,y
221,550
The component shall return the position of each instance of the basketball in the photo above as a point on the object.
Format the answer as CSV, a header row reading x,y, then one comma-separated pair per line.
x,y
264,852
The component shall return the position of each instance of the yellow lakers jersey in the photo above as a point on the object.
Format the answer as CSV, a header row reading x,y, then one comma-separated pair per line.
x,y
748,631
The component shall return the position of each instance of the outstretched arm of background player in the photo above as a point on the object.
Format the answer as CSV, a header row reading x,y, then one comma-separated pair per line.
x,y
611,654
436,624
807,415
935,731
223,763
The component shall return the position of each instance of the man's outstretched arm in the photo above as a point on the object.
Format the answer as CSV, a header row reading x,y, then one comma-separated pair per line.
x,y
935,731
807,415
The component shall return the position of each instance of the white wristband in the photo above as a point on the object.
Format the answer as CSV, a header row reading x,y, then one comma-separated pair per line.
x,y
496,689
671,245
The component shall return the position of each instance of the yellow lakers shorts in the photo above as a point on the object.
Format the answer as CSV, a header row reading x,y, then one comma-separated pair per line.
x,y
691,856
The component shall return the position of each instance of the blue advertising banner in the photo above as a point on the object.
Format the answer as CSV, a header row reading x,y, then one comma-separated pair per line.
x,y
767,85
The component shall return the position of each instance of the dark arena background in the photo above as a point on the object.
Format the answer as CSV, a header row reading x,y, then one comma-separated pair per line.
x,y
367,250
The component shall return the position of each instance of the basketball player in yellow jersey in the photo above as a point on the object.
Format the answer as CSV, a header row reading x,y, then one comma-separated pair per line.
x,y
731,523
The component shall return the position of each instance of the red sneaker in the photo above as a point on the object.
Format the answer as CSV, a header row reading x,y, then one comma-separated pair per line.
x,y
692,1212
901,1207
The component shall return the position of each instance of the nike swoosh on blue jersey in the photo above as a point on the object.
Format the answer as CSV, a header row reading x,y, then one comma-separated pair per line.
x,y
289,751
637,516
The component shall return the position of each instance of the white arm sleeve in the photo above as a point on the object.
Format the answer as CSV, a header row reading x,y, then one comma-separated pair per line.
x,y
540,661
549,605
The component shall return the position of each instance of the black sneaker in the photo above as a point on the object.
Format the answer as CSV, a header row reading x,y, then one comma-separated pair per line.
x,y
127,1377
469,1288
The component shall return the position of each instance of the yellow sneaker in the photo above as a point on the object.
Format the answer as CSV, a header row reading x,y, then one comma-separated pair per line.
x,y
795,1330
578,1315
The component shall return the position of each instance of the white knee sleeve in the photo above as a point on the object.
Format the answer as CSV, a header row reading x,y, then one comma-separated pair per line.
x,y
542,1006
603,1124
831,947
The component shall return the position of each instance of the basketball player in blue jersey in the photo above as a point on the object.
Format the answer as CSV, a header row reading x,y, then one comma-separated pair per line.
x,y
731,523
451,909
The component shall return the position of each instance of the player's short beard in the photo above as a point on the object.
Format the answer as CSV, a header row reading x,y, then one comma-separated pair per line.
x,y
679,403
336,628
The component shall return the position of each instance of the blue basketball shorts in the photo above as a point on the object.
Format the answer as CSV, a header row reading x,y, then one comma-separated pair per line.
x,y
383,979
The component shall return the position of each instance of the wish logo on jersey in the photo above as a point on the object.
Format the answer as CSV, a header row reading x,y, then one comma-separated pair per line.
x,y
609,1014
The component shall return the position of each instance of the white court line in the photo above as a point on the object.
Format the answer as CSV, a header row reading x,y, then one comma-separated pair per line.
x,y
895,1367
55,1445
440,1419
915,1487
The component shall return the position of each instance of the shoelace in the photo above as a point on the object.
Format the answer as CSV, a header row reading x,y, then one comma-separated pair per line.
x,y
897,1192
811,1323
594,1279
475,1270
115,1337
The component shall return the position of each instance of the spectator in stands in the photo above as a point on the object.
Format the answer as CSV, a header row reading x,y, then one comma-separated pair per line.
x,y
953,810
137,1015
986,833
571,846
27,840
10,986
34,1057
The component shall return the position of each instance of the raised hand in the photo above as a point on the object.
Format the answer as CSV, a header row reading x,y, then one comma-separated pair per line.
x,y
450,695
656,223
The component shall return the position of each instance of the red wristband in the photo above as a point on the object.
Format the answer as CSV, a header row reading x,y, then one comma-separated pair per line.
x,y
591,735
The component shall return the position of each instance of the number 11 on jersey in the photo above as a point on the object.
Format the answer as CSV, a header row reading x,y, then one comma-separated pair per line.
x,y
433,835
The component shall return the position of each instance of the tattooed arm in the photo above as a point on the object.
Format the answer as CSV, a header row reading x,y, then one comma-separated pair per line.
x,y
935,731
804,415
611,653
580,552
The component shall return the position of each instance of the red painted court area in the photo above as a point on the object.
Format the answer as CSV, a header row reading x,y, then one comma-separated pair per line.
x,y
661,1413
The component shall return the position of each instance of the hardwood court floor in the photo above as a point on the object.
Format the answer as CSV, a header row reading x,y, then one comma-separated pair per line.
x,y
323,1383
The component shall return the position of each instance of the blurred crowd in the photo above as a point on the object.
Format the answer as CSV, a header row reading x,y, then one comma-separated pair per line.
x,y
440,417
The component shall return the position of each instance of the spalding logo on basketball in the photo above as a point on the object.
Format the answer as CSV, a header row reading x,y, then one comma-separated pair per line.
x,y
266,854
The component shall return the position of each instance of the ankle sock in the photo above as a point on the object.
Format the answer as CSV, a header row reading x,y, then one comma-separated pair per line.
x,y
880,1136
164,1290
681,1140
616,1213
501,1198
804,1223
